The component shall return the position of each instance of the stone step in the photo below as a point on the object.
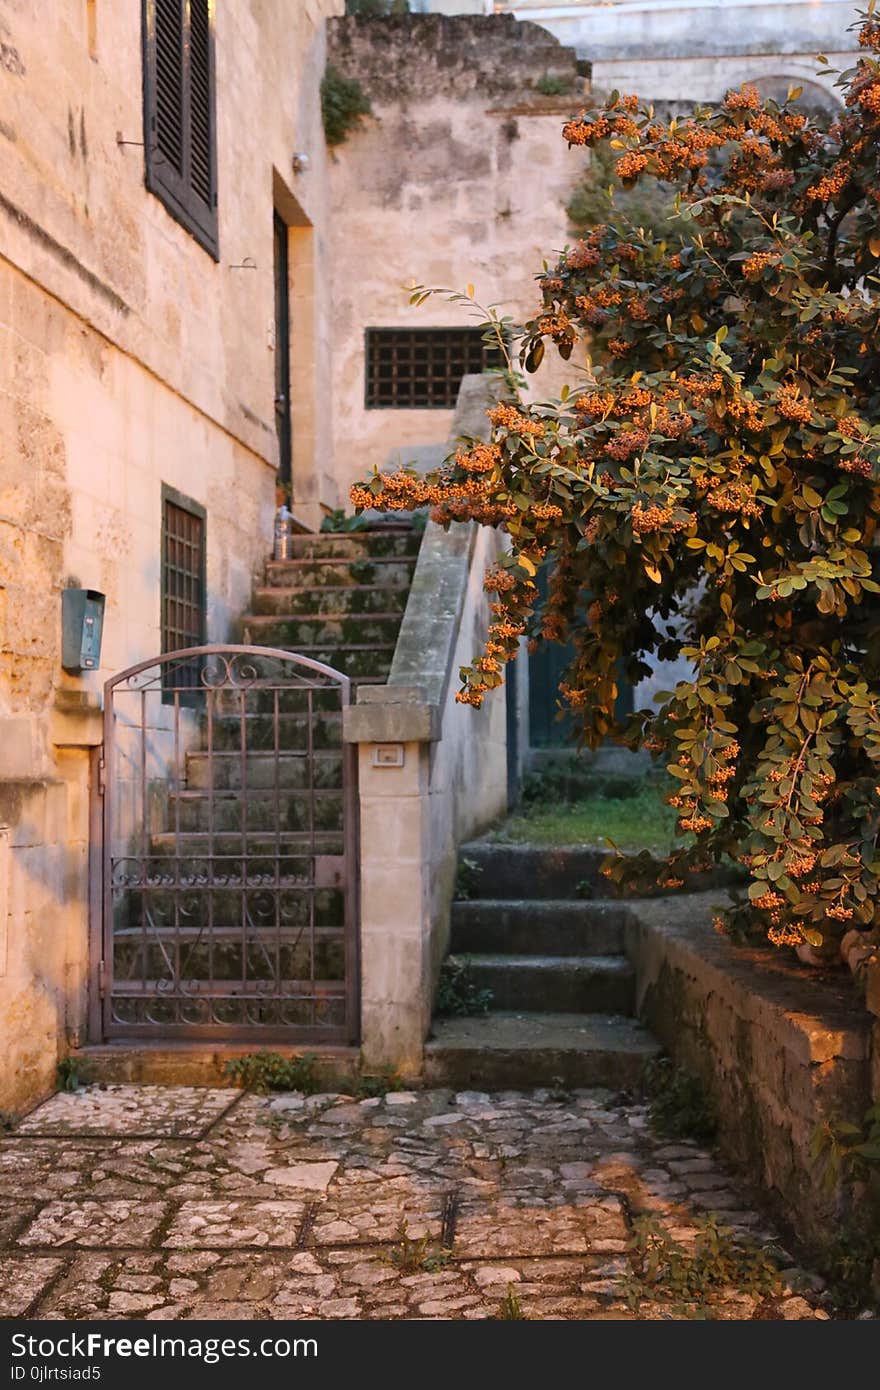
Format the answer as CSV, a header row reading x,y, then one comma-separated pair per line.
x,y
259,771
228,770
258,731
226,957
389,571
300,690
555,984
354,545
283,908
532,871
359,630
195,853
519,1050
355,598
353,659
199,811
202,1063
554,928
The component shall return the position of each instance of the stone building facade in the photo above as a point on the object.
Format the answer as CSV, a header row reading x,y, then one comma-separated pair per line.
x,y
458,178
132,360
695,50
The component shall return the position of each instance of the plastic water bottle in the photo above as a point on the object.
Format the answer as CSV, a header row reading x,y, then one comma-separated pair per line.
x,y
283,548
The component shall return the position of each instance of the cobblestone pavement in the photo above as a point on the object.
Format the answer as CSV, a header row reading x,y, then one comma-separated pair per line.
x,y
172,1202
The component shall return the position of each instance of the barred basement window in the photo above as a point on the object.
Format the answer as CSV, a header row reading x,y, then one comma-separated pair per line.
x,y
179,107
183,581
421,368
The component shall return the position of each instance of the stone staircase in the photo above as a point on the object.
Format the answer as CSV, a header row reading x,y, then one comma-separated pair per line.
x,y
339,600
552,951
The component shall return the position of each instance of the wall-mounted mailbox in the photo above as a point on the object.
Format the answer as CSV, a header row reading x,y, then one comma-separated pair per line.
x,y
82,623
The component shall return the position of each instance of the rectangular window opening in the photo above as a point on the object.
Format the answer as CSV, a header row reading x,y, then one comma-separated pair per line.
x,y
422,368
184,591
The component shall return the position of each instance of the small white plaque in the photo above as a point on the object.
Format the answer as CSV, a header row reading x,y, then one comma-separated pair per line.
x,y
388,755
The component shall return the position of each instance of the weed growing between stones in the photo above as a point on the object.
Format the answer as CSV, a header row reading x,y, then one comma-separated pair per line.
x,y
457,993
679,1106
68,1074
511,1309
663,1270
268,1071
375,1083
416,1256
841,1150
848,1266
847,1154
467,874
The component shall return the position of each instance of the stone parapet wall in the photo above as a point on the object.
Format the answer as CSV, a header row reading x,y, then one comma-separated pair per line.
x,y
779,1049
420,57
450,784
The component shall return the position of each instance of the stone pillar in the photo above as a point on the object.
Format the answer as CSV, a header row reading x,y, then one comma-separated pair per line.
x,y
394,729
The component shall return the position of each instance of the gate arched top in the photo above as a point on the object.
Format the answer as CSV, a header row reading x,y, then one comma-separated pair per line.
x,y
228,653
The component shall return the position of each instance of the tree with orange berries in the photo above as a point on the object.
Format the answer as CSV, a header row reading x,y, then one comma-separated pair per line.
x,y
710,491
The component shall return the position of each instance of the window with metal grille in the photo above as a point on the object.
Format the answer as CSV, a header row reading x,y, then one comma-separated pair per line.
x,y
421,368
183,581
179,121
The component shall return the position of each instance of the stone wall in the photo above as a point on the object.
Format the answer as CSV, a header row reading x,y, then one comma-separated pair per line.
x,y
695,50
130,358
780,1049
460,177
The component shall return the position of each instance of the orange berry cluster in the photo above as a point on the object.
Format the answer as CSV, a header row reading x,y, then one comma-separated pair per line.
x,y
791,404
784,936
508,418
596,405
757,263
734,497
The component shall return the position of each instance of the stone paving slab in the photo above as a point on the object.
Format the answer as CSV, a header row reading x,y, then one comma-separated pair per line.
x,y
422,1204
94,1224
221,1225
23,1280
129,1111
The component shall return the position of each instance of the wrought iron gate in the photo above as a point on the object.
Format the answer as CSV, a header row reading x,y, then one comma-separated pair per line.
x,y
228,849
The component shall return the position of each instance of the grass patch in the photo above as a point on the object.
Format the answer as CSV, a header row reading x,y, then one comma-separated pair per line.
x,y
643,821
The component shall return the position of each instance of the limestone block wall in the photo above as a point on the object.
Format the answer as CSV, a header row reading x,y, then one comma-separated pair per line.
x,y
779,1050
131,358
459,178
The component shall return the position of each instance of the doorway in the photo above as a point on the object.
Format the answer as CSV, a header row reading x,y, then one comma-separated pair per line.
x,y
282,351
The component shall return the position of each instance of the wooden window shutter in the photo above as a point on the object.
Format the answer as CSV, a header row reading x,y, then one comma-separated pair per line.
x,y
179,113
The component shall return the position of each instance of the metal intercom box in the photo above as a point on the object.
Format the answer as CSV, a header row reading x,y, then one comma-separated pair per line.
x,y
82,625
